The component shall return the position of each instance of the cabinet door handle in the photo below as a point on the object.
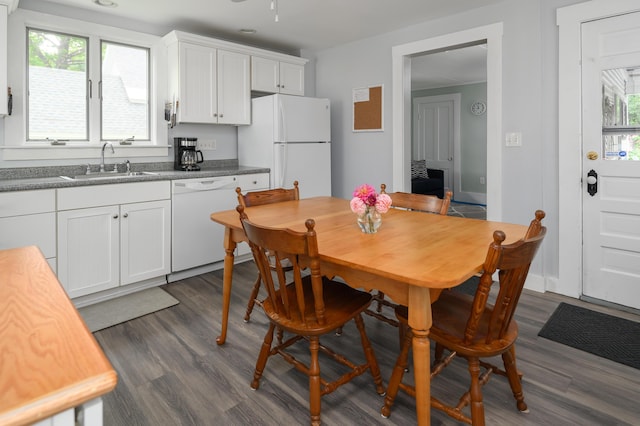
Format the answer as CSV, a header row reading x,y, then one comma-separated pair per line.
x,y
115,216
125,215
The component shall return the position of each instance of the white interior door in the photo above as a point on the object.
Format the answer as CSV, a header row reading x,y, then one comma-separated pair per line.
x,y
435,129
611,149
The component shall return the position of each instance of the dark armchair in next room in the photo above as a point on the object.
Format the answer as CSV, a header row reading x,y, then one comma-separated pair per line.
x,y
426,181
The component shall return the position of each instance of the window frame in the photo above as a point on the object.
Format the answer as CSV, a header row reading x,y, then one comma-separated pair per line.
x,y
101,42
16,147
27,73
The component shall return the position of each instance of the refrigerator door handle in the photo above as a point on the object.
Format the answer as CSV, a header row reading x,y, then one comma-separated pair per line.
x,y
281,164
282,122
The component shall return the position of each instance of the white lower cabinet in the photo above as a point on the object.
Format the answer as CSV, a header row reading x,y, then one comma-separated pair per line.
x,y
88,249
145,250
103,247
28,218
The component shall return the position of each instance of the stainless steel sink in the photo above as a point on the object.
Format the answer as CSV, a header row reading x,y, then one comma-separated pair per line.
x,y
109,175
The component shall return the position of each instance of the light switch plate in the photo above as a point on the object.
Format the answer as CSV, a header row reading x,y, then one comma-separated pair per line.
x,y
513,139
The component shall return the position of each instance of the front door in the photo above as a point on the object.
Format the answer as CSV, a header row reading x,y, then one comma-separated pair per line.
x,y
611,159
434,132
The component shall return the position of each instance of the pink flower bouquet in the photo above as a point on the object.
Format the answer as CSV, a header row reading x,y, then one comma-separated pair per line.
x,y
368,205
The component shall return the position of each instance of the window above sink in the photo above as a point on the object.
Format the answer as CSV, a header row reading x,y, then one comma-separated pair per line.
x,y
25,141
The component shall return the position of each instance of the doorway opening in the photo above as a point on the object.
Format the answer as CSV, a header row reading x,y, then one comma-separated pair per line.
x,y
449,93
402,56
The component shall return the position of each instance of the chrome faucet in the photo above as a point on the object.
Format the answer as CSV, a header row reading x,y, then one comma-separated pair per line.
x,y
102,155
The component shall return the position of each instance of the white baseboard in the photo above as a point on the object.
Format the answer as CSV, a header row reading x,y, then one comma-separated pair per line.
x,y
535,283
470,197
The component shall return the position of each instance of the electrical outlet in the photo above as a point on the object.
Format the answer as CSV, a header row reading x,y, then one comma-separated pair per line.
x,y
513,139
482,181
209,144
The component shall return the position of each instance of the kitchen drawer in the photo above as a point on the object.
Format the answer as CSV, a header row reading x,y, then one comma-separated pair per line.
x,y
20,203
106,195
253,182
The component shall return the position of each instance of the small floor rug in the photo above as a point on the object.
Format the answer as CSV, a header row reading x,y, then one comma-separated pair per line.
x,y
617,339
122,309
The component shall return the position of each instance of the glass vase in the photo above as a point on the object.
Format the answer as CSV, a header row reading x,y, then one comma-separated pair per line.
x,y
370,220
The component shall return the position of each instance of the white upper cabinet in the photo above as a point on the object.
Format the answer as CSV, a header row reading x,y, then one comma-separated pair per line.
x,y
234,92
291,79
274,76
195,81
210,81
209,85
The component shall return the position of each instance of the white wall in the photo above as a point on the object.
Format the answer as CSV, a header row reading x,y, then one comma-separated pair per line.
x,y
530,97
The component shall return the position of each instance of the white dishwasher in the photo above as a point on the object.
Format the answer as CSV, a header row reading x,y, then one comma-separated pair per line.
x,y
196,239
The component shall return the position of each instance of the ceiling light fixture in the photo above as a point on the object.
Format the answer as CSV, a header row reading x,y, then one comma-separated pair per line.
x,y
106,3
274,7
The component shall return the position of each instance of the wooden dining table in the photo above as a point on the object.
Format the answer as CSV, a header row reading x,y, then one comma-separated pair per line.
x,y
51,365
412,258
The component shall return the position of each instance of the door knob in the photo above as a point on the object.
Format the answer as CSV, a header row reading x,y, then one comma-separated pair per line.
x,y
592,182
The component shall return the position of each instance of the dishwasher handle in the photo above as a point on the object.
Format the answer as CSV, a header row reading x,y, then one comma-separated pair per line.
x,y
208,184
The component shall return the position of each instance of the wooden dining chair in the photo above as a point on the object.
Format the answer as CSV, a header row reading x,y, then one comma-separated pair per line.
x,y
408,201
474,329
419,202
309,306
258,198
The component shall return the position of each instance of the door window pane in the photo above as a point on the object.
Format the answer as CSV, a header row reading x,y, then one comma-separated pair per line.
x,y
621,114
125,92
57,86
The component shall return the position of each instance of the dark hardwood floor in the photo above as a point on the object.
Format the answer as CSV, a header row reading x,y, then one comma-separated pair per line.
x,y
172,372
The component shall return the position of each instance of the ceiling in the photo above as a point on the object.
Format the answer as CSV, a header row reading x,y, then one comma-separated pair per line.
x,y
302,24
453,67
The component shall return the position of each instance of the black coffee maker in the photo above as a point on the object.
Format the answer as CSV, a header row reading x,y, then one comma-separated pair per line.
x,y
187,157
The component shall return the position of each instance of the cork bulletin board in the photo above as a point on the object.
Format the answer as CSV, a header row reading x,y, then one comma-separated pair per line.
x,y
367,109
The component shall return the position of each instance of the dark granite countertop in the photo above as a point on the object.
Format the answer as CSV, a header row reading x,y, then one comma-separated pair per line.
x,y
51,177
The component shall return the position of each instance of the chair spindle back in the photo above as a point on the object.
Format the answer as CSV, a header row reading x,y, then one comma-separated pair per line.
x,y
268,196
298,250
420,202
512,262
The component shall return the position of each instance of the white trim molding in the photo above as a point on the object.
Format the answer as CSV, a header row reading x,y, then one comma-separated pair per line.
x,y
11,5
401,81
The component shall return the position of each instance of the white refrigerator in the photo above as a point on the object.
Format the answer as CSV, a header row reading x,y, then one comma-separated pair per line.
x,y
291,135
